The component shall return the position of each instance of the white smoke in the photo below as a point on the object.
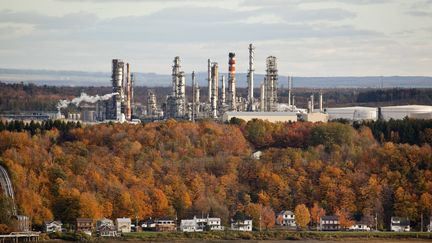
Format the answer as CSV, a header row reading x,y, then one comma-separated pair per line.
x,y
83,98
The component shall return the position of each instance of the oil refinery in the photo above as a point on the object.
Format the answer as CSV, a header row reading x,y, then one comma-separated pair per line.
x,y
222,102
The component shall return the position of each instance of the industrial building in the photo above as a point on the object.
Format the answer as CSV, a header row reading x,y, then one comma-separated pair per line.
x,y
355,113
410,111
269,116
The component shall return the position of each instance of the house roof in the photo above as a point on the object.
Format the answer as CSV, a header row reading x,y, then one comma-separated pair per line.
x,y
286,212
330,217
123,220
84,220
53,222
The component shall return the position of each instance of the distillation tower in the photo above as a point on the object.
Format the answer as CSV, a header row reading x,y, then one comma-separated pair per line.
x,y
176,102
214,89
250,79
271,83
116,111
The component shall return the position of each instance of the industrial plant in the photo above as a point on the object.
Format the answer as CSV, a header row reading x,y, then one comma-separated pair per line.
x,y
222,102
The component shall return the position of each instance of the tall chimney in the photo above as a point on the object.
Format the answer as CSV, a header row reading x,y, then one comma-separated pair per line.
x,y
251,77
215,89
223,90
289,92
231,82
262,100
312,103
128,109
209,79
321,102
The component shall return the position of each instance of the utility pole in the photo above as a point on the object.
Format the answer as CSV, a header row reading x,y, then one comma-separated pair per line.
x,y
376,221
421,222
260,222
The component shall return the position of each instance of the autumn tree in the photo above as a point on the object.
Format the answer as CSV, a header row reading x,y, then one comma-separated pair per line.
x,y
344,219
302,216
316,213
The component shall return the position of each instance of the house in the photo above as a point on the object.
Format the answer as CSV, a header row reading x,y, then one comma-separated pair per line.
x,y
105,228
190,225
360,226
399,224
84,225
52,226
286,218
163,225
241,225
200,224
213,224
123,225
329,223
148,225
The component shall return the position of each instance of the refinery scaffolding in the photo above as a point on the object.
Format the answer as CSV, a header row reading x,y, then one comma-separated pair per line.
x,y
271,84
116,112
176,102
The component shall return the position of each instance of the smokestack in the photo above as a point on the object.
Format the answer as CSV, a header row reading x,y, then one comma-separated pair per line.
x,y
251,77
223,90
312,103
132,90
209,79
262,100
321,102
293,101
215,89
289,92
128,110
231,82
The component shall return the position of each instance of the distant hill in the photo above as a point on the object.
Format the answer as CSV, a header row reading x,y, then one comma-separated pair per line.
x,y
80,78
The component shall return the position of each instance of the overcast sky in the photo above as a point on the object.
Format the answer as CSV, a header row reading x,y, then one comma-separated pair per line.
x,y
309,37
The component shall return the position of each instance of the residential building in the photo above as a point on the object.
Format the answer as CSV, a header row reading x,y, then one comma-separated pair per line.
x,y
52,226
286,218
399,224
360,226
165,225
123,225
200,224
148,225
84,225
105,228
329,223
241,225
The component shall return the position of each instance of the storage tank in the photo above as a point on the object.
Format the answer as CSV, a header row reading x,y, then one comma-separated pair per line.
x,y
400,112
355,113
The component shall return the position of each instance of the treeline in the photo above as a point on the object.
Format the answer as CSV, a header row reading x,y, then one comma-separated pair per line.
x,y
411,131
34,127
419,96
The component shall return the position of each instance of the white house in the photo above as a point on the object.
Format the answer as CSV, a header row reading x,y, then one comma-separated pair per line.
x,y
200,224
286,218
53,226
241,225
359,226
399,224
123,225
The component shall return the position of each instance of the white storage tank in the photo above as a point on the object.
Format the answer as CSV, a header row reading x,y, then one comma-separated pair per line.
x,y
354,113
400,112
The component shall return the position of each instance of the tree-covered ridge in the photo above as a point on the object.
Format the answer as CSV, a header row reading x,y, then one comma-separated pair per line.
x,y
181,168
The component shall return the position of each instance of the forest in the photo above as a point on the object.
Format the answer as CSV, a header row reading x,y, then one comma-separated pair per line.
x,y
181,169
20,97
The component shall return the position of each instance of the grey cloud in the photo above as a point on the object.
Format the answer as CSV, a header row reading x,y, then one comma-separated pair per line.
x,y
420,13
69,21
